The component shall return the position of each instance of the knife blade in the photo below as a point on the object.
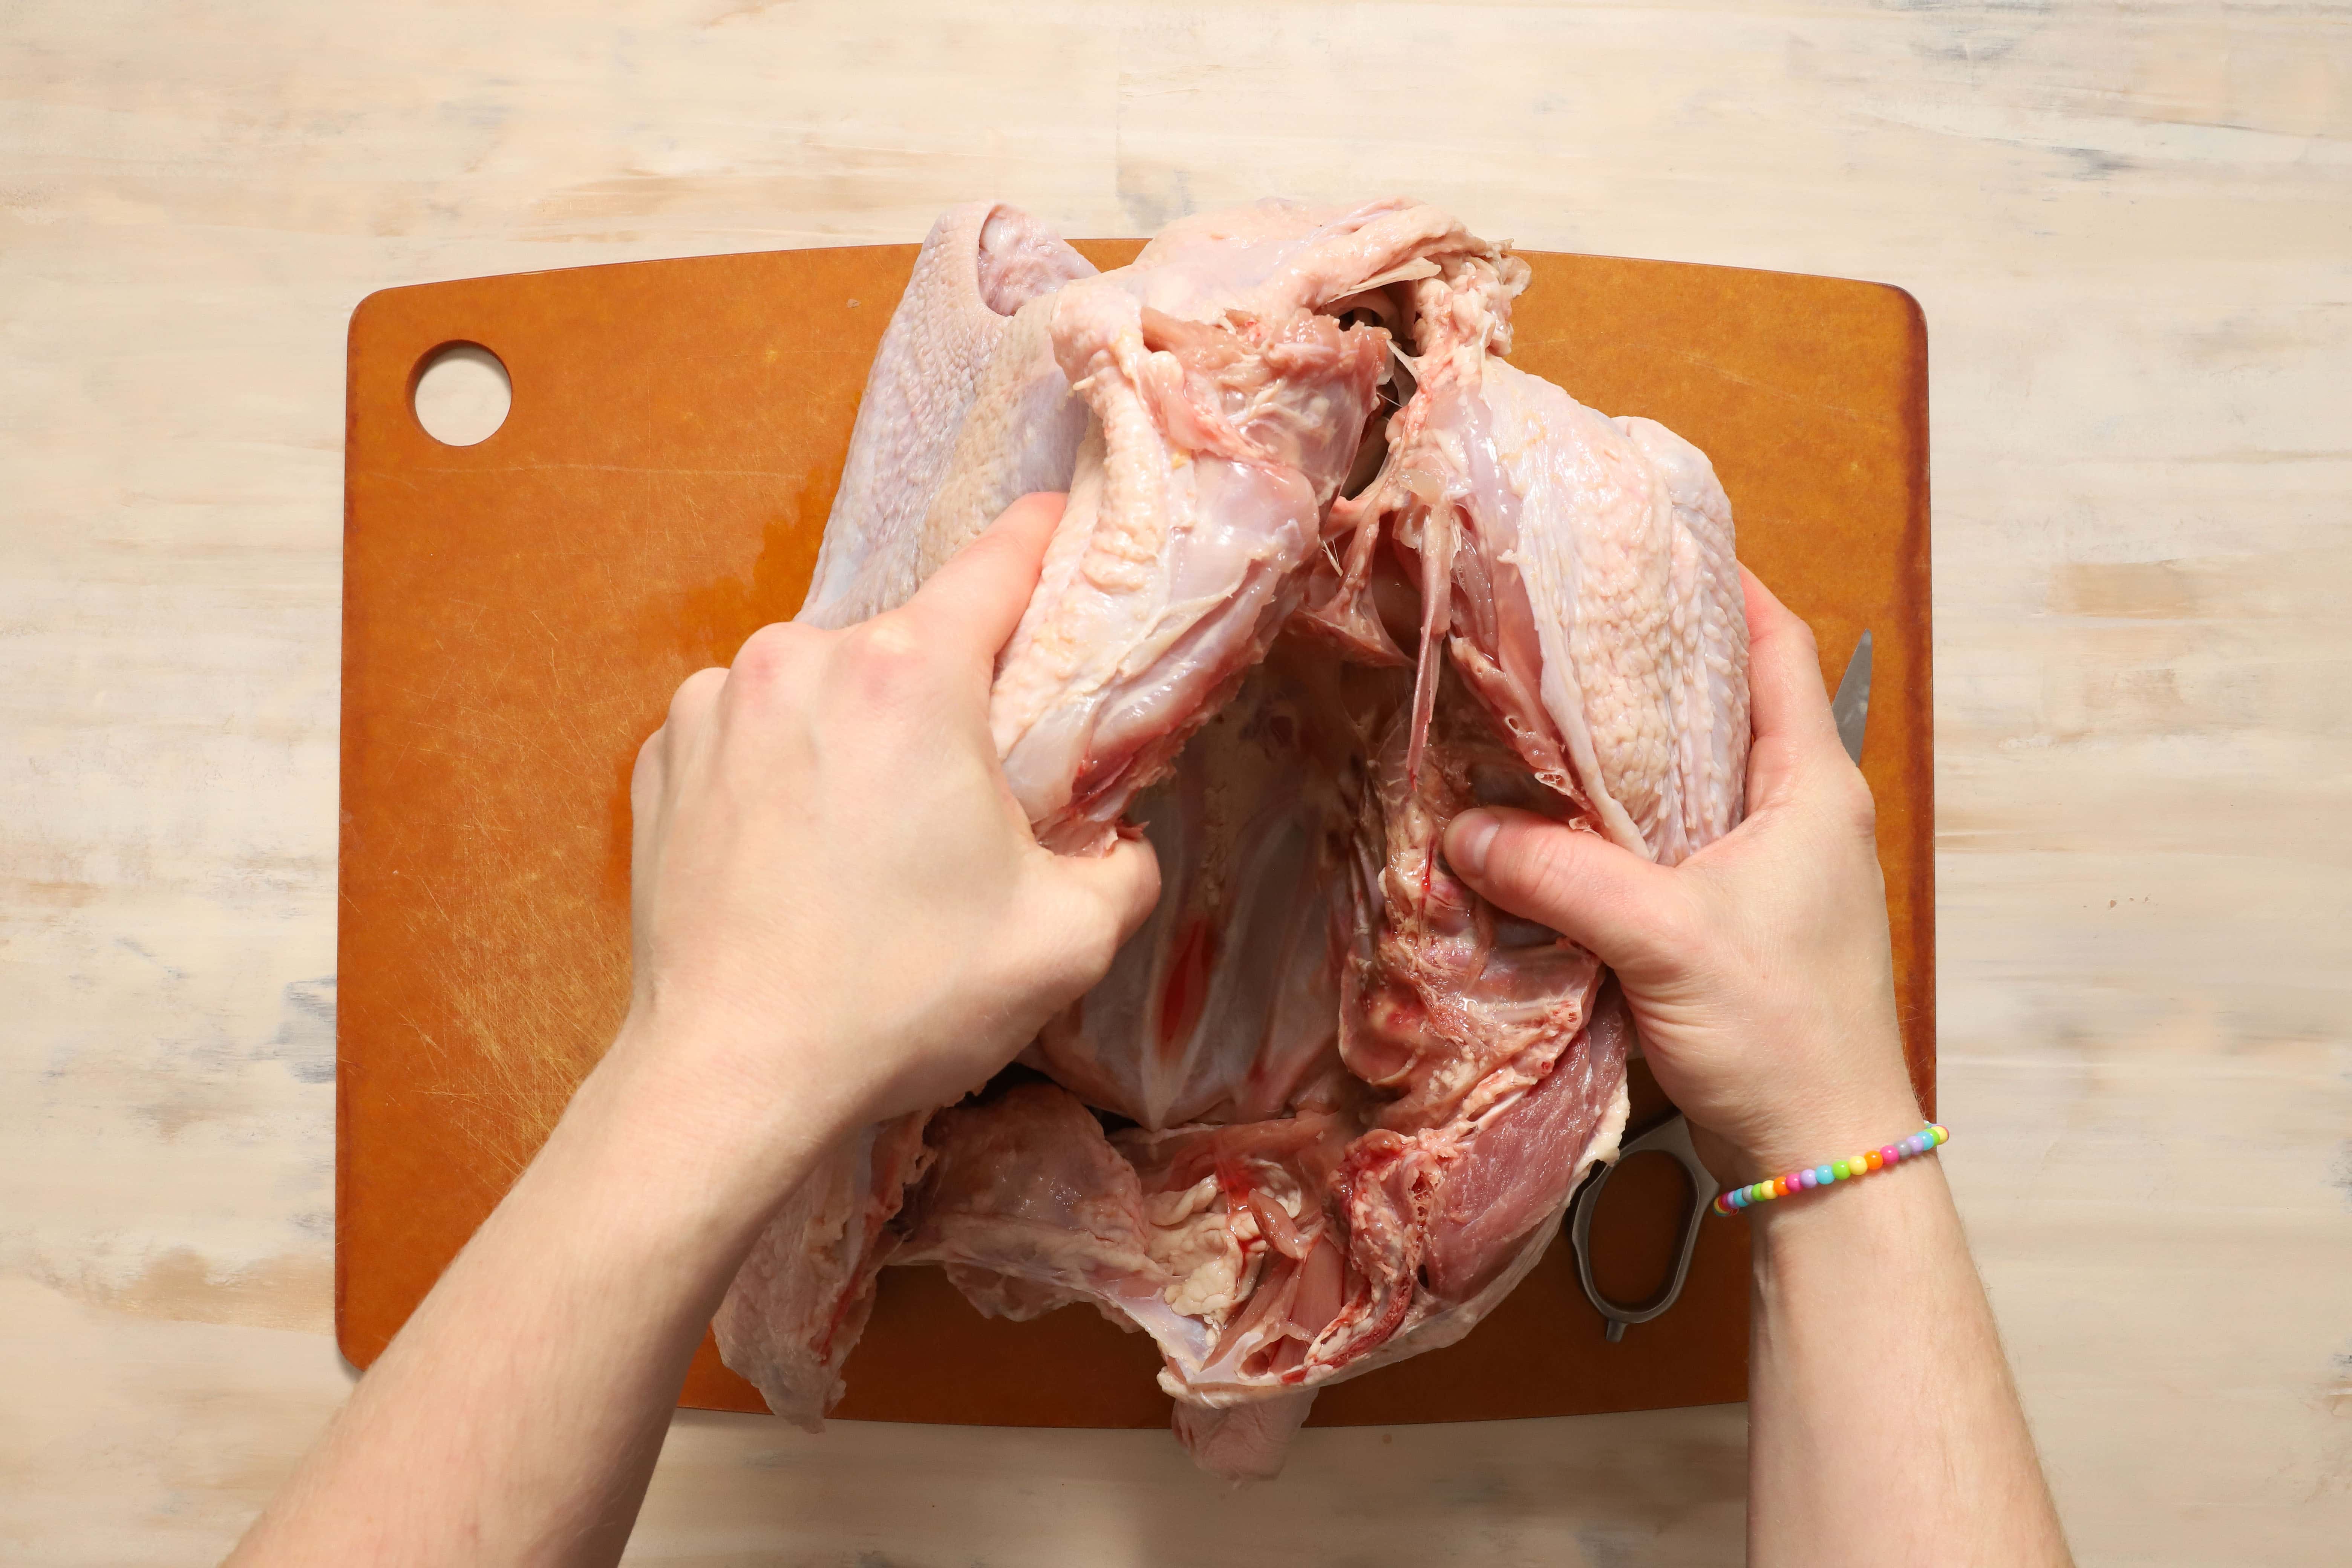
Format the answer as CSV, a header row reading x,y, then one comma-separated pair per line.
x,y
1851,707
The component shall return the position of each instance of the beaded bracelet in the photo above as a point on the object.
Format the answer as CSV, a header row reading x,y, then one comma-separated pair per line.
x,y
1924,1141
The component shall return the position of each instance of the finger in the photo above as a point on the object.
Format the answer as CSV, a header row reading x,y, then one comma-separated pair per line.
x,y
645,777
1789,705
690,706
1592,892
687,726
648,779
648,782
973,602
1113,893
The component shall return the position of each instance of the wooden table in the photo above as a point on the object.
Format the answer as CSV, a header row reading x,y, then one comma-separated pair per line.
x,y
2129,234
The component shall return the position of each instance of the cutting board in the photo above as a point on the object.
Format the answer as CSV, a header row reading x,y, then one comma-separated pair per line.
x,y
515,614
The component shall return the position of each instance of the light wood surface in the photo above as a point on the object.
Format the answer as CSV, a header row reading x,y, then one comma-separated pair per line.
x,y
2130,230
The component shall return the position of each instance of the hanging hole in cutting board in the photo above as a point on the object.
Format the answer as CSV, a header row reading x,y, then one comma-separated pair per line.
x,y
461,393
1637,1225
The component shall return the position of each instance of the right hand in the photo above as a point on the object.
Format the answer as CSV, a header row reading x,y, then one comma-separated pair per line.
x,y
1759,971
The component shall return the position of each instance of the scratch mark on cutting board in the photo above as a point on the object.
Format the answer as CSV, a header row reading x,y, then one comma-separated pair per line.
x,y
1718,368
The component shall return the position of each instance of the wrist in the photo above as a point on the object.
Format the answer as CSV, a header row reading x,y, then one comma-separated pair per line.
x,y
1859,1222
712,1138
1778,1204
1825,1128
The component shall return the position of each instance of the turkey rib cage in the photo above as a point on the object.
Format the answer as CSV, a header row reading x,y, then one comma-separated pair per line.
x,y
1331,572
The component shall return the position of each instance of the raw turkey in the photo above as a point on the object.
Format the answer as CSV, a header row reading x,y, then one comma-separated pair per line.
x,y
1331,572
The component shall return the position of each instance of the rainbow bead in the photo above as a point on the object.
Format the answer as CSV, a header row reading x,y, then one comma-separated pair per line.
x,y
1807,1178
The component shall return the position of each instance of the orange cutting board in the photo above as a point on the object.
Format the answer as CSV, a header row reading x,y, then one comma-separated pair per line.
x,y
515,614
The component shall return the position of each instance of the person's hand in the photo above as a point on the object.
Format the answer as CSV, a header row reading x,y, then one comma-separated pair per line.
x,y
838,908
1757,971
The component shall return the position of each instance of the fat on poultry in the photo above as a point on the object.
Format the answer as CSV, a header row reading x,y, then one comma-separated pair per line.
x,y
1331,570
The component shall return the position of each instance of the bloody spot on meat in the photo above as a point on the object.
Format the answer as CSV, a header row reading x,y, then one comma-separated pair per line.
x,y
1185,992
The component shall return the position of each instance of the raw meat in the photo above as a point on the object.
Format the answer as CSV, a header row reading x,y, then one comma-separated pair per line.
x,y
801,1298
1224,1007
981,265
1331,572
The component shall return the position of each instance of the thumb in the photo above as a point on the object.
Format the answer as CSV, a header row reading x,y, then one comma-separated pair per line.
x,y
1605,898
975,600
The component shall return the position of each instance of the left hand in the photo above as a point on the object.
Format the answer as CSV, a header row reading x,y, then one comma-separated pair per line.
x,y
1759,970
837,906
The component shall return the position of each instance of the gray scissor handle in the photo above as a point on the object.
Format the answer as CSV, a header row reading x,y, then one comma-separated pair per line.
x,y
1672,1137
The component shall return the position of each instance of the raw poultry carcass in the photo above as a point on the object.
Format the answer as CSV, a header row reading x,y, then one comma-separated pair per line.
x,y
1331,572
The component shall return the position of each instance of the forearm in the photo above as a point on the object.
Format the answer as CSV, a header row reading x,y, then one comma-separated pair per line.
x,y
516,1418
1883,1425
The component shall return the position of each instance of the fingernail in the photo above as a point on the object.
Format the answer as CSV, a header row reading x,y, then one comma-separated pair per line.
x,y
1467,841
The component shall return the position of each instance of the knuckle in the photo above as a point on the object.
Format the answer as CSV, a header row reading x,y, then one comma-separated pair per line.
x,y
693,699
886,660
1675,927
645,774
1084,925
1857,807
1143,894
1096,949
772,650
